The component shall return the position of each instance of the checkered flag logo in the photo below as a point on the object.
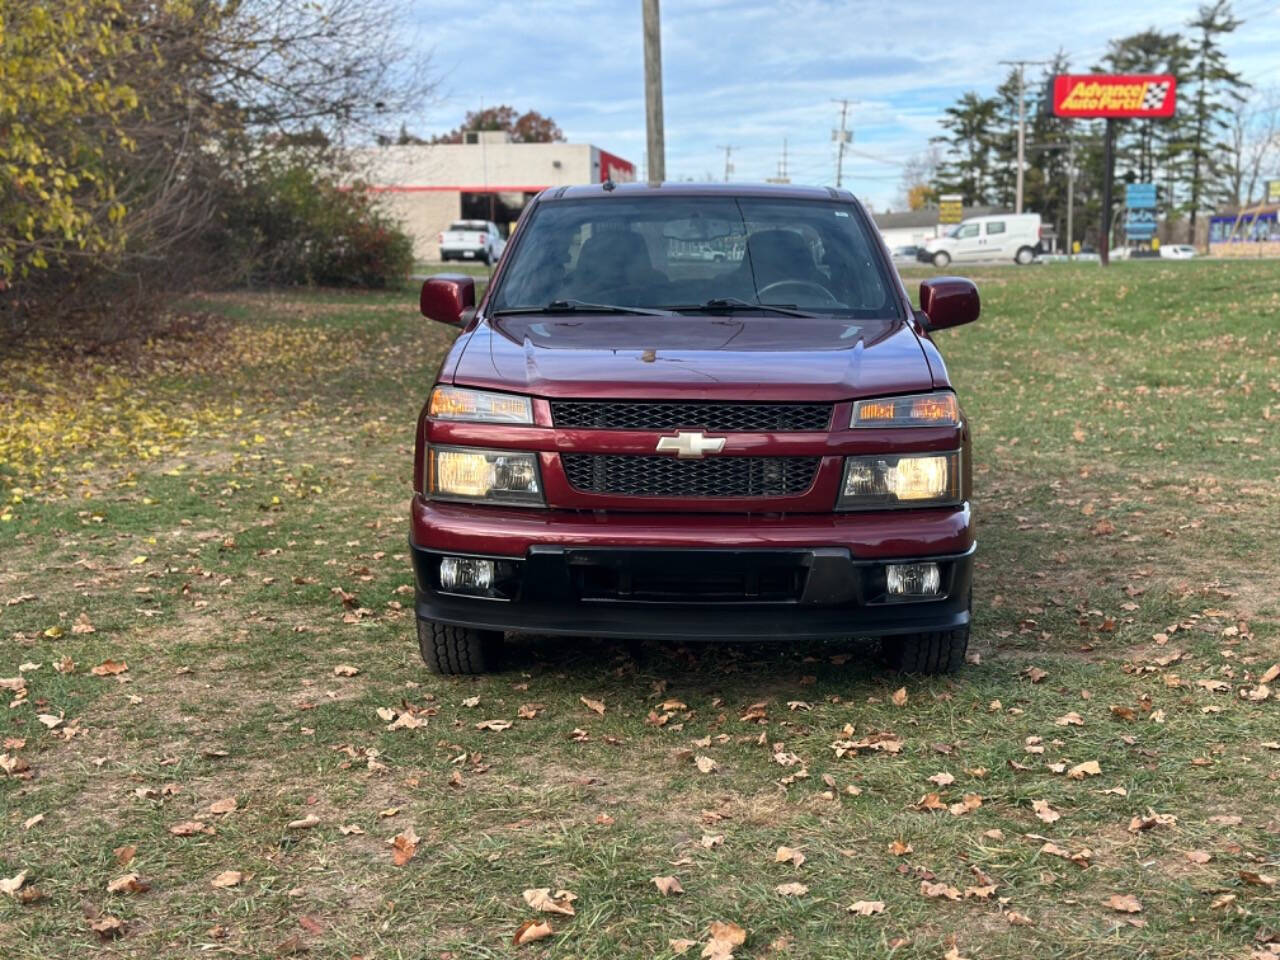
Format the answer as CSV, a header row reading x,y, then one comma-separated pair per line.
x,y
1153,98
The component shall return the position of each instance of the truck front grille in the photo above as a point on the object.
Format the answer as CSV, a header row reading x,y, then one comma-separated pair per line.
x,y
668,415
641,476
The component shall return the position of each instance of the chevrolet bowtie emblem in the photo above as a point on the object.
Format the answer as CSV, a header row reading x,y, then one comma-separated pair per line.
x,y
687,445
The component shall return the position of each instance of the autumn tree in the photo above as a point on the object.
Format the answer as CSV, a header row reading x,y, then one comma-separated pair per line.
x,y
527,127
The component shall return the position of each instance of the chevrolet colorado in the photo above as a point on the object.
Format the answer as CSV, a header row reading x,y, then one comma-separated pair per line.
x,y
629,438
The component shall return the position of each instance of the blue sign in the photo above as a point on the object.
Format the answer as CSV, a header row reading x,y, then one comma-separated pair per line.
x,y
1140,224
1140,196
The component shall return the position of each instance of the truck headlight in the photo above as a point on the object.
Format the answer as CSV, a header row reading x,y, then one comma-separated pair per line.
x,y
486,476
917,410
479,406
905,480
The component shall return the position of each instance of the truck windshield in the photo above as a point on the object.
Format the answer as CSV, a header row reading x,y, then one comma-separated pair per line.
x,y
682,253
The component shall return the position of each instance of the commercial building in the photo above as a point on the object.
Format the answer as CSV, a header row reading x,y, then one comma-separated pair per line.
x,y
488,177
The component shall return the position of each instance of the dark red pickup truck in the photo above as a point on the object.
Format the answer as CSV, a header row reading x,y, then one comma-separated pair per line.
x,y
694,413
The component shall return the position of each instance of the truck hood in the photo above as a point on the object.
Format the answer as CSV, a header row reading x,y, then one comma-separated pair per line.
x,y
739,358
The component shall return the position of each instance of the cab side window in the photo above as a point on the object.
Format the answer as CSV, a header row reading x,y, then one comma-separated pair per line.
x,y
995,227
967,231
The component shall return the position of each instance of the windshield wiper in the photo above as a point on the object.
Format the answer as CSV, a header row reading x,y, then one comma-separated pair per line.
x,y
580,306
736,305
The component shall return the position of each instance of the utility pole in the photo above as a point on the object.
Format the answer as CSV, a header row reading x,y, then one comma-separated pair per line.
x,y
656,156
1071,206
728,162
841,137
782,167
1022,124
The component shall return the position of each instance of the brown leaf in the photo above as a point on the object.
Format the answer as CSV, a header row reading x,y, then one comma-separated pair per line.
x,y
900,849
404,846
680,947
1273,673
980,893
706,764
225,805
667,885
1257,879
1123,903
1035,674
939,890
124,854
107,927
189,828
791,889
967,804
784,854
11,885
1071,719
1198,856
723,937
291,946
531,930
1089,768
1045,812
495,725
930,801
899,697
109,668
345,670
129,883
306,823
595,706
82,624
541,898
865,908
942,779
228,878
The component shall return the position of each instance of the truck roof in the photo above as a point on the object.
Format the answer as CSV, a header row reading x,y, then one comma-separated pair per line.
x,y
779,190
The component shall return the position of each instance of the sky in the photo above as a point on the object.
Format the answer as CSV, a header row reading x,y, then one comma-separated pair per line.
x,y
748,74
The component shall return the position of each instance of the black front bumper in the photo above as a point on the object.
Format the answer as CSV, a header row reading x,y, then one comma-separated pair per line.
x,y
714,594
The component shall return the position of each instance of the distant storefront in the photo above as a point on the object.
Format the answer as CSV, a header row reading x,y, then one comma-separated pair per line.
x,y
1246,232
428,186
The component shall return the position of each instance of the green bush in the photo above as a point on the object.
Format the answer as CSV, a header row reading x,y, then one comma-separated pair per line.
x,y
287,224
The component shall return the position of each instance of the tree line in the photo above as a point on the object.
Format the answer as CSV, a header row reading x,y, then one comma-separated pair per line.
x,y
1213,152
148,144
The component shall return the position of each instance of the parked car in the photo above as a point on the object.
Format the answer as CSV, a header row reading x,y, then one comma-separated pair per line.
x,y
1010,236
766,449
1177,251
472,240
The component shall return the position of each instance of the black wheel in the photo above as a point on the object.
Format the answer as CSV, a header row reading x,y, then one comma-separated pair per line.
x,y
1025,256
941,259
485,258
450,650
928,652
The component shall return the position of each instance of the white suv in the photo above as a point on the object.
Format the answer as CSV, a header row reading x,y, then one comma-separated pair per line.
x,y
472,240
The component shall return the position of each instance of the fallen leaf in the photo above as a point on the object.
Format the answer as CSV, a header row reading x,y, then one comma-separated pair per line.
x,y
711,841
124,854
11,885
351,829
541,898
939,890
942,779
1045,812
1089,768
345,670
82,624
785,854
1123,903
404,846
791,889
967,804
900,849
596,706
1071,719
667,885
470,702
899,697
109,668
723,937
980,893
107,927
1257,879
128,883
531,930
225,805
1035,674
1198,856
1018,919
30,822
306,823
495,725
865,908
680,947
228,878
188,828
706,764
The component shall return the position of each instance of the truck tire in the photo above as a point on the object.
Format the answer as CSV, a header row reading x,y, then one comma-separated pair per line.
x,y
928,653
452,651
941,259
1024,256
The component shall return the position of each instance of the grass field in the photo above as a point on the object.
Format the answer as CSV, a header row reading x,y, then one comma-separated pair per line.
x,y
205,606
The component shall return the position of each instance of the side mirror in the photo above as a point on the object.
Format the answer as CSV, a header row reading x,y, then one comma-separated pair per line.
x,y
449,298
948,302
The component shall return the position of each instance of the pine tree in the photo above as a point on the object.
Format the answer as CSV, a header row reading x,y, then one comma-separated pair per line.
x,y
967,169
1218,89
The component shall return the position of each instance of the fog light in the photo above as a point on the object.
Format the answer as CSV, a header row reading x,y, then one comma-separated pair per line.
x,y
912,579
464,573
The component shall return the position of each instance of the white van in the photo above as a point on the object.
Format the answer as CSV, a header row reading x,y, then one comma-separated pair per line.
x,y
1011,236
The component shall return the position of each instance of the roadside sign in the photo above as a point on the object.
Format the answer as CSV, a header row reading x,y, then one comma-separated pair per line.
x,y
950,208
1140,196
1140,224
1273,191
1114,95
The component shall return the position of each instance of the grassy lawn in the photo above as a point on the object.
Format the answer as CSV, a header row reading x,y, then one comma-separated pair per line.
x,y
205,602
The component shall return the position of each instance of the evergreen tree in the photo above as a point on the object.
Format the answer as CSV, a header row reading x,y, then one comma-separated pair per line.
x,y
1218,91
968,166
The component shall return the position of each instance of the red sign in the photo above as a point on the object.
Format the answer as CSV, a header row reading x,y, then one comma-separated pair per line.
x,y
613,167
1111,95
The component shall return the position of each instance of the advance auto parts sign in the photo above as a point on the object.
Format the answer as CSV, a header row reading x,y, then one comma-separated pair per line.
x,y
1146,95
